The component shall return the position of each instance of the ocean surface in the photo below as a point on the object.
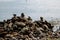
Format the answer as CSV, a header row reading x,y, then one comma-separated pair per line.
x,y
34,8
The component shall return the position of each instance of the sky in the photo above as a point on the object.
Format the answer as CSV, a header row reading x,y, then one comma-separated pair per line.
x,y
33,8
